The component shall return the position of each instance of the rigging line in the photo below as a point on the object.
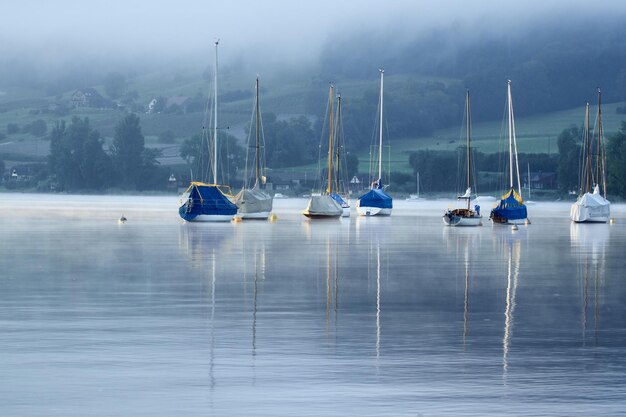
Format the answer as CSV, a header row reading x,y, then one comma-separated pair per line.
x,y
322,177
388,155
263,156
246,180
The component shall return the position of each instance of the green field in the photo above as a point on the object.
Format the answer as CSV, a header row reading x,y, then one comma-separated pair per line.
x,y
285,97
535,134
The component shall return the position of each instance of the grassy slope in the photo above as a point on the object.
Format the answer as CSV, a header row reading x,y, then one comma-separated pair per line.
x,y
285,97
537,134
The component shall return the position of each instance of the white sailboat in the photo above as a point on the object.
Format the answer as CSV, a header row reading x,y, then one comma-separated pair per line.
x,y
207,202
340,194
592,207
323,205
511,208
253,202
465,216
376,202
529,201
415,197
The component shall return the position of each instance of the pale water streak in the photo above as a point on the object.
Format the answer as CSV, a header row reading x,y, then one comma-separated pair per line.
x,y
395,316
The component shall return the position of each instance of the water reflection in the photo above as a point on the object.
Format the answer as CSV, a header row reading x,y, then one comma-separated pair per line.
x,y
465,243
332,281
589,243
513,251
199,240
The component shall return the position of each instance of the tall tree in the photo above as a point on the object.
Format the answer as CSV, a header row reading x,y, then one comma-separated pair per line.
x,y
77,158
127,151
616,162
569,159
289,142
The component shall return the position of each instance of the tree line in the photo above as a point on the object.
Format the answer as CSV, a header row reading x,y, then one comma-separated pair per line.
x,y
441,170
78,160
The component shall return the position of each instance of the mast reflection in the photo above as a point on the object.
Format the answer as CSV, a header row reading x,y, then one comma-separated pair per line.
x,y
513,252
588,242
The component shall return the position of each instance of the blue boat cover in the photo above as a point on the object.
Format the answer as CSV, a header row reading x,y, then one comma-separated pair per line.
x,y
205,199
376,197
338,199
511,207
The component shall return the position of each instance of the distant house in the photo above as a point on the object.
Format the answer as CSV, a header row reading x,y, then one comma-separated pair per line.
x,y
87,97
21,173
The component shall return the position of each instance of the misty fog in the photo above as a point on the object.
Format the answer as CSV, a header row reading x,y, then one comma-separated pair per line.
x,y
53,35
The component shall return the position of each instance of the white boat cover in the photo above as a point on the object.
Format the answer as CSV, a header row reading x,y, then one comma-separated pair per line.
x,y
467,194
253,200
591,207
323,206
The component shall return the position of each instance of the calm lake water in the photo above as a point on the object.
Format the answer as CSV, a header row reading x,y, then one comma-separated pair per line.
x,y
395,316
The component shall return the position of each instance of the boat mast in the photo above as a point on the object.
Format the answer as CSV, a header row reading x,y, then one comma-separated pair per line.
x,y
529,180
380,145
338,143
256,150
514,145
467,115
329,187
600,154
215,118
418,184
508,95
587,151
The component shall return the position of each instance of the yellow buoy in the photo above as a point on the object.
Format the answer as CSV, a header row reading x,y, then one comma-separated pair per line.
x,y
273,217
237,219
612,220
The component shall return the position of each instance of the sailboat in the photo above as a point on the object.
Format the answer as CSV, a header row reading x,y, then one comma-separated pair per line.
x,y
592,207
465,216
323,205
529,201
254,203
376,202
511,208
416,196
339,193
202,201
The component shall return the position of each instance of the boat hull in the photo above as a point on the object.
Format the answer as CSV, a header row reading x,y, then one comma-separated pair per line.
x,y
509,221
211,218
263,215
593,220
321,215
373,211
451,219
346,211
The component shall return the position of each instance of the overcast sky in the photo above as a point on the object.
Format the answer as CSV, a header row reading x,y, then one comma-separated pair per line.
x,y
278,27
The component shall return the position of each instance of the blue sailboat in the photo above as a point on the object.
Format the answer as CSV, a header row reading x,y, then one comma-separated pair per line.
x,y
206,201
376,202
511,208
